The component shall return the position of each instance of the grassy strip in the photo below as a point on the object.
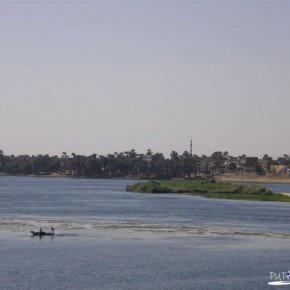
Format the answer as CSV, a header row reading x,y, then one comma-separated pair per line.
x,y
209,189
260,197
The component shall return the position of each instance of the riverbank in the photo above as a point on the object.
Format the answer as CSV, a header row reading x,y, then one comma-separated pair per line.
x,y
226,177
253,177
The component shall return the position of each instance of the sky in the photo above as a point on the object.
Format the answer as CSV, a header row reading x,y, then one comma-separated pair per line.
x,y
89,76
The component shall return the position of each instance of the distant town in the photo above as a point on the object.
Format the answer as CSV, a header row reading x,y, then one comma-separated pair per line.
x,y
149,165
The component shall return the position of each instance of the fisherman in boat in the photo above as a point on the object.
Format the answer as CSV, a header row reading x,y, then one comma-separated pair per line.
x,y
40,231
52,230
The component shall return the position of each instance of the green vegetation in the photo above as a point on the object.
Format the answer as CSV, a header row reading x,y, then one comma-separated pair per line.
x,y
130,164
259,196
210,189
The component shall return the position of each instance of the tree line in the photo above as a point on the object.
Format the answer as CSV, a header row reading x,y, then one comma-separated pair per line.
x,y
120,164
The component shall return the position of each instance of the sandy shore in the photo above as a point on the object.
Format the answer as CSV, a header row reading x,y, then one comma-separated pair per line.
x,y
252,177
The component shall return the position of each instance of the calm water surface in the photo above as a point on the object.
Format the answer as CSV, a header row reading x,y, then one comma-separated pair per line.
x,y
108,238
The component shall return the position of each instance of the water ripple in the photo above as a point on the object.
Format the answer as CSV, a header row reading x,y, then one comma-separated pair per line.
x,y
84,227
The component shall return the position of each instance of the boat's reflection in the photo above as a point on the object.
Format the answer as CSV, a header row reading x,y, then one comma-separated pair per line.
x,y
40,237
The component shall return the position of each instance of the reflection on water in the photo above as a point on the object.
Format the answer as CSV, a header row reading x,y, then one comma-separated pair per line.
x,y
51,237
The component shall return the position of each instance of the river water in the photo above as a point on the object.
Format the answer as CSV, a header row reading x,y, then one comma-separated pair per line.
x,y
108,238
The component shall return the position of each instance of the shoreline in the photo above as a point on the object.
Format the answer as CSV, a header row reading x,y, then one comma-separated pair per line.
x,y
258,180
250,177
226,177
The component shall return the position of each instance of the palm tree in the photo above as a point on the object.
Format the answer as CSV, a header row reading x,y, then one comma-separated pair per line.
x,y
286,158
74,170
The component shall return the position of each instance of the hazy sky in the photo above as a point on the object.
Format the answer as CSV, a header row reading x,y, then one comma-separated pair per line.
x,y
89,76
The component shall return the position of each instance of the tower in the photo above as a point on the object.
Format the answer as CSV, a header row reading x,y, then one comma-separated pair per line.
x,y
191,147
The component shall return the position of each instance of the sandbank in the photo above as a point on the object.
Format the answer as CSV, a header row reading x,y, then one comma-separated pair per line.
x,y
253,177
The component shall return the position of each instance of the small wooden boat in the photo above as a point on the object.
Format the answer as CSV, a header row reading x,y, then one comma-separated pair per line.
x,y
41,233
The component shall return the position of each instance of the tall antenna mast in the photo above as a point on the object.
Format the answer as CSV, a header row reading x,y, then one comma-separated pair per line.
x,y
191,146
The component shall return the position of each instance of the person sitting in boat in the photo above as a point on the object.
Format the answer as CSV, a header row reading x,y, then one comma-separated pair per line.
x,y
52,230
